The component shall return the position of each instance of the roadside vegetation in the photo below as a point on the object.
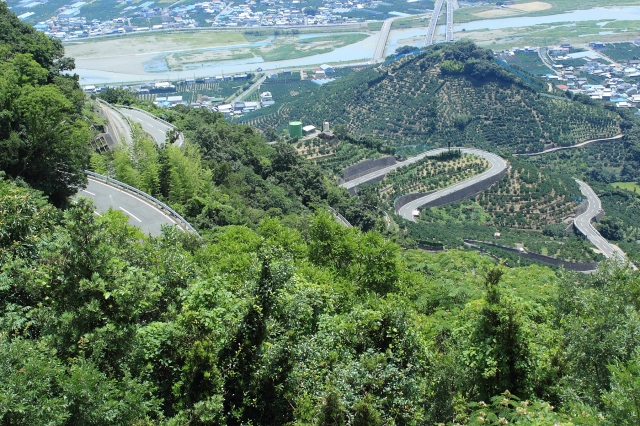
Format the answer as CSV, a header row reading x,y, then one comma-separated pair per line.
x,y
277,314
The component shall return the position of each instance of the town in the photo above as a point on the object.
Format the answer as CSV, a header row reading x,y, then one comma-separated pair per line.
x,y
71,22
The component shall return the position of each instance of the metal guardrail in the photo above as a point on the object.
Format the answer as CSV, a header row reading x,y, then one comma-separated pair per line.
x,y
144,195
179,142
340,218
147,113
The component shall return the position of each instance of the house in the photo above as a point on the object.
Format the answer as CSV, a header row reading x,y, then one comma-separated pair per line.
x,y
286,72
327,135
174,100
240,77
238,106
250,106
319,74
225,108
562,86
307,130
266,96
328,69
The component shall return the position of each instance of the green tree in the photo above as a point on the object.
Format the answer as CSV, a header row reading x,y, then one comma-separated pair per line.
x,y
623,399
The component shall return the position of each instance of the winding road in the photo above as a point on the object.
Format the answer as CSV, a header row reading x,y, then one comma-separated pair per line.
x,y
498,165
157,129
578,145
118,126
583,224
141,213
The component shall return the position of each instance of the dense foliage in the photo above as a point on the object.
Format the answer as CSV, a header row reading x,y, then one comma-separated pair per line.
x,y
273,326
43,137
278,315
227,175
450,94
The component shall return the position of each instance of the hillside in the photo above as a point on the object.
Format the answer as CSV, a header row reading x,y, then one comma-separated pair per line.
x,y
452,93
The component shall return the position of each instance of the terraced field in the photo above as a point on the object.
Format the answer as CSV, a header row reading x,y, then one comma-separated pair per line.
x,y
429,175
413,102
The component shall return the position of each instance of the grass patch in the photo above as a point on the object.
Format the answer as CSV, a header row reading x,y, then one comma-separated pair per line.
x,y
629,186
292,47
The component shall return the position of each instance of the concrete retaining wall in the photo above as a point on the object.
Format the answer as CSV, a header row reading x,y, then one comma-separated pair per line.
x,y
571,266
401,201
366,167
459,195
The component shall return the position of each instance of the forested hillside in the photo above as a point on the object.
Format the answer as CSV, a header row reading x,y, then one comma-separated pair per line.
x,y
100,324
450,94
277,315
43,133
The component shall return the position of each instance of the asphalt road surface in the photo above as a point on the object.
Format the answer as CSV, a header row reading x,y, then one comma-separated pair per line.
x,y
449,28
255,85
155,128
378,54
578,145
497,166
406,211
141,213
583,223
431,30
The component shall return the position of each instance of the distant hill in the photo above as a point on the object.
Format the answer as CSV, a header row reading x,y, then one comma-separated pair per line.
x,y
454,93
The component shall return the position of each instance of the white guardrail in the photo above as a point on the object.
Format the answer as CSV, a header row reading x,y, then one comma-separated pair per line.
x,y
179,142
159,203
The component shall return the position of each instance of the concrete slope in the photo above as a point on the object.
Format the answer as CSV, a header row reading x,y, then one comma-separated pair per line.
x,y
118,126
498,165
583,224
141,213
373,175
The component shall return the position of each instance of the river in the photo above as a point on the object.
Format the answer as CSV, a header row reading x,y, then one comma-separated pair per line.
x,y
360,51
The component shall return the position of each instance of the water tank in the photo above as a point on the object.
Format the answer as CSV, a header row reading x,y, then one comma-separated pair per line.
x,y
295,129
325,126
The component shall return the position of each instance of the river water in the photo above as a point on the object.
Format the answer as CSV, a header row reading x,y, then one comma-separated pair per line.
x,y
360,51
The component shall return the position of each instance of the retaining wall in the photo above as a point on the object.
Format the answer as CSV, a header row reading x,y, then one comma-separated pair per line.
x,y
366,167
401,201
462,194
572,266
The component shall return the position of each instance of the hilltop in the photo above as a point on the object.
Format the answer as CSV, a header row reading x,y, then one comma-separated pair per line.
x,y
454,93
